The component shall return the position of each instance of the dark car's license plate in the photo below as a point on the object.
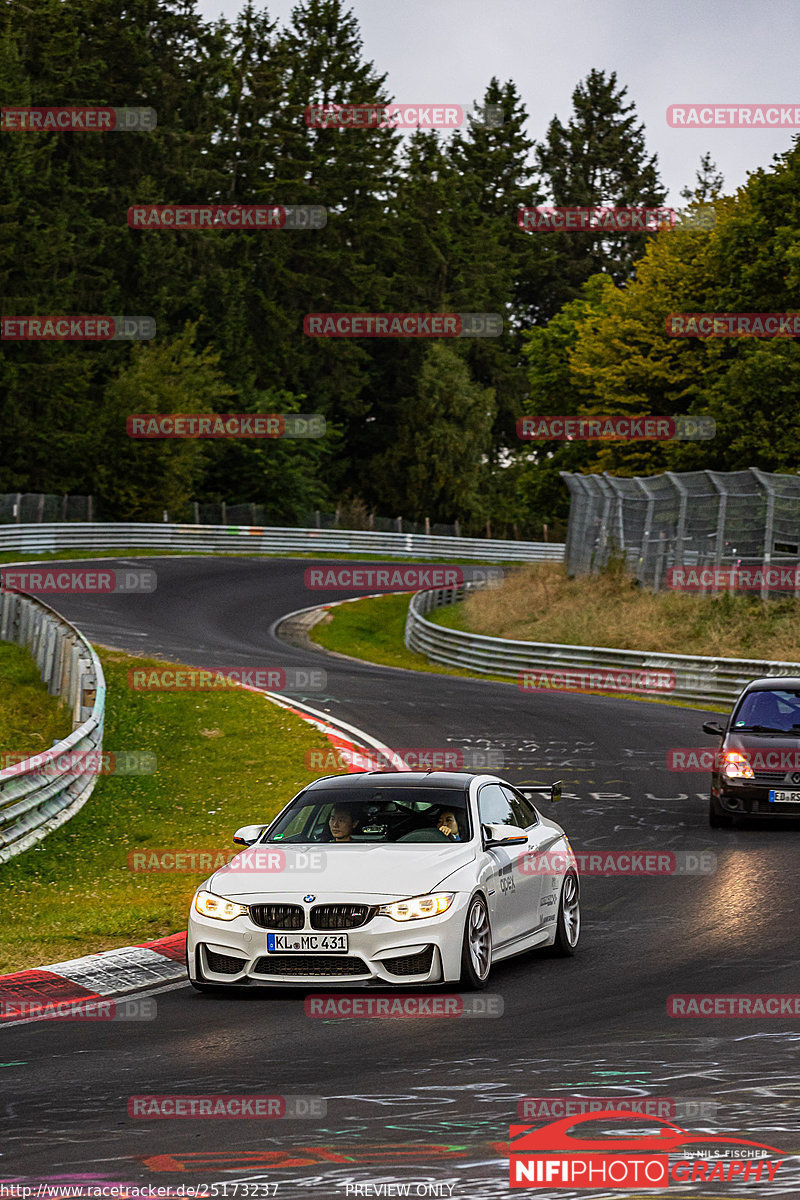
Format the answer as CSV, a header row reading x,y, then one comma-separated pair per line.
x,y
777,797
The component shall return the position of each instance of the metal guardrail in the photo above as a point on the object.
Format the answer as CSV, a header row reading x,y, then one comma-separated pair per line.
x,y
697,678
34,802
246,539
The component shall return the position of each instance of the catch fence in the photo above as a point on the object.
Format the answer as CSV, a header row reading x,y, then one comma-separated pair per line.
x,y
693,519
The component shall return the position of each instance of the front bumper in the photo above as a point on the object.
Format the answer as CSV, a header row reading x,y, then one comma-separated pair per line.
x,y
751,799
380,953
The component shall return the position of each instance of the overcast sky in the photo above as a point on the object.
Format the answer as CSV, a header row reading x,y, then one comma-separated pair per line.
x,y
664,51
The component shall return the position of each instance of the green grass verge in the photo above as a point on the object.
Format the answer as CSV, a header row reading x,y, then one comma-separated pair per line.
x,y
373,629
30,718
224,759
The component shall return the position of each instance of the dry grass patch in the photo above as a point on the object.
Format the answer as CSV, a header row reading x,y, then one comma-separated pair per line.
x,y
539,603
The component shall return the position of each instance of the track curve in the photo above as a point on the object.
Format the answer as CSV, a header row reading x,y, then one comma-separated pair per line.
x,y
412,1100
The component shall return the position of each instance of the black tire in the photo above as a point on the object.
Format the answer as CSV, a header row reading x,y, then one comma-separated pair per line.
x,y
476,949
568,921
717,817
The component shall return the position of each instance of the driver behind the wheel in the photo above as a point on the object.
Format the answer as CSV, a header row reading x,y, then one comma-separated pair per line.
x,y
448,824
341,823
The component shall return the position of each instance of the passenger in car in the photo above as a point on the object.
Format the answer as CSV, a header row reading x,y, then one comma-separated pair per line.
x,y
448,824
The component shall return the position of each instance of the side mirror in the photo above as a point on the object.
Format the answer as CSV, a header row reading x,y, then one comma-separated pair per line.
x,y
713,727
503,835
532,791
248,834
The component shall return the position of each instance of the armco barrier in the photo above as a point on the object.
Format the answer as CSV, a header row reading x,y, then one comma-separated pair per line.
x,y
31,804
698,679
235,539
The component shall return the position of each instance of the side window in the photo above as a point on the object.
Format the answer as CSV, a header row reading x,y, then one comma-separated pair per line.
x,y
525,812
494,807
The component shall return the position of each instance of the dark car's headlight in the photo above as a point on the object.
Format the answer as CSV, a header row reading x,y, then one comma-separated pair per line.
x,y
418,907
736,766
218,907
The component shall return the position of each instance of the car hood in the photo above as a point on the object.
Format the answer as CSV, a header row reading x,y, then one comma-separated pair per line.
x,y
767,751
378,871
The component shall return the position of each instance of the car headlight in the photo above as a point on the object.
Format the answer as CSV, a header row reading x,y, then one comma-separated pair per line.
x,y
218,906
736,766
417,907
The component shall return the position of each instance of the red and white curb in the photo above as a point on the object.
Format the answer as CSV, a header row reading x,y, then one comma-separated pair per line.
x,y
94,977
130,969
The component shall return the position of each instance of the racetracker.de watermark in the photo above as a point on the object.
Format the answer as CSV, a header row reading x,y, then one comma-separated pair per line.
x,y
60,581
702,758
258,859
597,679
554,1108
744,1004
402,325
92,119
225,425
618,862
616,427
748,577
362,1005
592,218
236,217
392,577
77,763
759,324
734,116
20,1008
401,116
224,1107
263,679
63,327
416,758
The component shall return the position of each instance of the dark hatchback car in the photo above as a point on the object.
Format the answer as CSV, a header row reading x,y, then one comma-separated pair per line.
x,y
756,771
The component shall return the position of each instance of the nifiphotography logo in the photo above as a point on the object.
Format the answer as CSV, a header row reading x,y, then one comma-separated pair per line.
x,y
551,1155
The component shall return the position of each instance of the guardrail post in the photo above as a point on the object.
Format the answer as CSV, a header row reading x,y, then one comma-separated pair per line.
x,y
769,526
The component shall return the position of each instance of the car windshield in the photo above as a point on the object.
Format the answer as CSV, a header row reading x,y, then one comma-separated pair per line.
x,y
769,712
418,815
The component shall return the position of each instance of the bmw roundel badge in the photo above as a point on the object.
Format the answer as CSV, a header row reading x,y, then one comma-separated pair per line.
x,y
308,899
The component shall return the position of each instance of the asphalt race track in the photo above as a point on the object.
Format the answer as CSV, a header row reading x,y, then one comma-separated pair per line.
x,y
427,1101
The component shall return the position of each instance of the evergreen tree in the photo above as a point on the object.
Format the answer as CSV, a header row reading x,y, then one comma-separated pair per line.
x,y
436,467
598,158
709,182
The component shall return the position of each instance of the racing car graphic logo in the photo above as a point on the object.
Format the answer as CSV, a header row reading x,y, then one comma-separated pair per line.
x,y
549,1155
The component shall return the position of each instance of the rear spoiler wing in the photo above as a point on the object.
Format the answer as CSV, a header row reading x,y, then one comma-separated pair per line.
x,y
533,790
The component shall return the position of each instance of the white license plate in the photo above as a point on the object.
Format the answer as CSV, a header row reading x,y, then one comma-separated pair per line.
x,y
306,943
784,797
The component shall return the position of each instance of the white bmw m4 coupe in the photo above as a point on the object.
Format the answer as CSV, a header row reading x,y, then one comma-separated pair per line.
x,y
388,878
